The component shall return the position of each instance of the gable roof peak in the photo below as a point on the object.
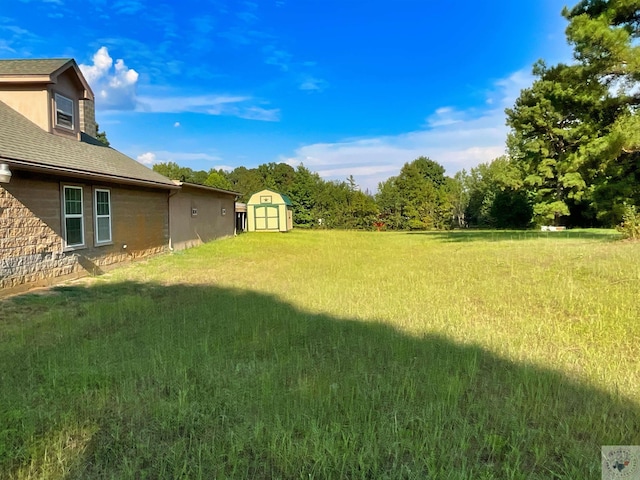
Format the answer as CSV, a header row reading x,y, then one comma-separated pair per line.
x,y
41,70
33,66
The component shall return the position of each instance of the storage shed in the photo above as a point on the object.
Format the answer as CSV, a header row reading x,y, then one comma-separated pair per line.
x,y
269,211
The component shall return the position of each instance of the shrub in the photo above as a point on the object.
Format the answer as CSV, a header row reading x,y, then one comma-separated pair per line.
x,y
630,226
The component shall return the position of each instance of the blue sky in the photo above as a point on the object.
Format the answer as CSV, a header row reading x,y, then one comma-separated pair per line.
x,y
347,87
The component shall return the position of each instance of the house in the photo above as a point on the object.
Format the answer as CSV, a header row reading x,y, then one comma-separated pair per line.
x,y
68,204
199,214
71,205
269,211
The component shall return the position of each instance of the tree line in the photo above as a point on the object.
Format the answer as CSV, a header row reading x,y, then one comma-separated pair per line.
x,y
420,197
573,151
317,203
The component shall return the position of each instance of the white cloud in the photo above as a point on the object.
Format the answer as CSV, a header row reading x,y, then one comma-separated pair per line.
x,y
445,116
176,125
147,158
127,7
236,106
312,84
181,158
4,45
114,85
258,113
247,17
454,138
277,57
16,30
210,104
102,62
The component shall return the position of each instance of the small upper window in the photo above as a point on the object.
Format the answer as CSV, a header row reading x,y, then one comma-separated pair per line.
x,y
64,112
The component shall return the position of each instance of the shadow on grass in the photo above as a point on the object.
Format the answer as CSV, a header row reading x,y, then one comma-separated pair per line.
x,y
604,235
137,380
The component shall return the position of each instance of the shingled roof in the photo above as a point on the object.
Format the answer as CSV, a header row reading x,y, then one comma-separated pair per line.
x,y
24,144
32,66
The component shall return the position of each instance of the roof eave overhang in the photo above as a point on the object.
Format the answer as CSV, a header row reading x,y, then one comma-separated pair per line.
x,y
85,175
206,187
20,78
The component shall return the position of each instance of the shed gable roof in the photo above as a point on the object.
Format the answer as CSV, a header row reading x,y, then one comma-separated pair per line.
x,y
23,143
255,198
287,200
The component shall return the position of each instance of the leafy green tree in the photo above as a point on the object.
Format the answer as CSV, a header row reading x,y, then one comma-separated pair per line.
x,y
184,174
351,181
551,123
198,177
330,204
342,207
459,198
420,197
277,176
102,136
265,171
605,36
246,181
576,131
496,196
173,171
284,176
218,179
430,170
363,210
391,204
304,193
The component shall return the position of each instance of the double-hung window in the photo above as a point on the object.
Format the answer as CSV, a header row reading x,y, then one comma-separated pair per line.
x,y
64,112
102,214
73,218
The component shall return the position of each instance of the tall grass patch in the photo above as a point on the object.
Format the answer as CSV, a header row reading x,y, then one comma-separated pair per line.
x,y
330,355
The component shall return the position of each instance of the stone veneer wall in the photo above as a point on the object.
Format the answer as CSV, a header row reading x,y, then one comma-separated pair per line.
x,y
31,246
88,118
30,250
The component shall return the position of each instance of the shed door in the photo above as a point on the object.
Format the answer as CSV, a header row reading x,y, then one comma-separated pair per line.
x,y
266,218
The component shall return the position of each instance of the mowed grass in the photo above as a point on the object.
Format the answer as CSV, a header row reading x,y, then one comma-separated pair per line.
x,y
331,355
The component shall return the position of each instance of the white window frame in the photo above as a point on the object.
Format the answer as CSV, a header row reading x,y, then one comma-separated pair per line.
x,y
96,216
66,216
72,114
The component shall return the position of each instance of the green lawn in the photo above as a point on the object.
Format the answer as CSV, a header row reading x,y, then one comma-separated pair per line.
x,y
331,355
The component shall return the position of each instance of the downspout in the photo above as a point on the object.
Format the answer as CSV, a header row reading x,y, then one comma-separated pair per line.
x,y
171,194
235,217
